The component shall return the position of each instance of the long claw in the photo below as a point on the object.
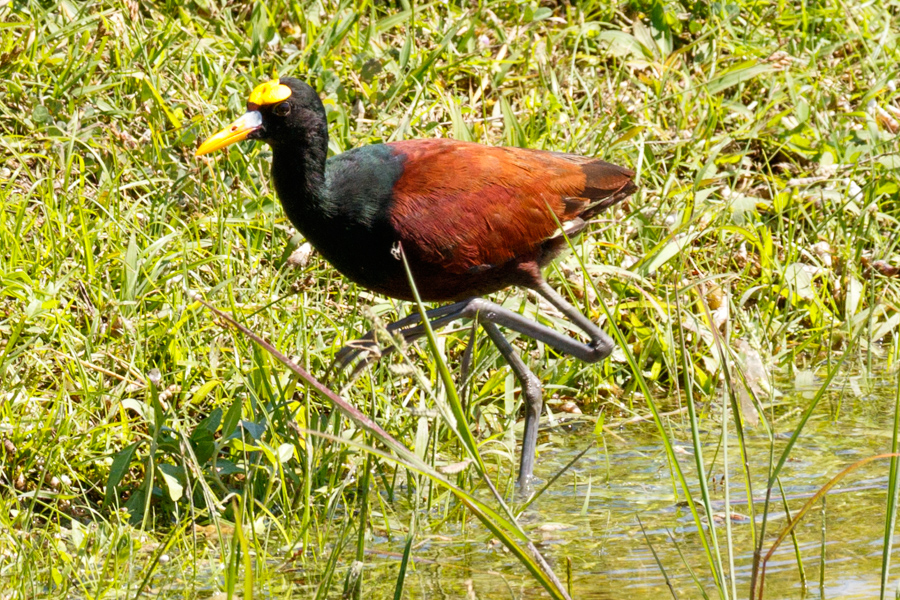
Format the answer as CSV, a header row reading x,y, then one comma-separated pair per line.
x,y
409,329
352,351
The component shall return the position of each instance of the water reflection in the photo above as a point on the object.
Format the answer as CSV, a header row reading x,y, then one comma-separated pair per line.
x,y
611,555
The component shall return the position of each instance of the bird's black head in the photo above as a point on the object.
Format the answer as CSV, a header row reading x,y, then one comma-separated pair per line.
x,y
292,113
281,112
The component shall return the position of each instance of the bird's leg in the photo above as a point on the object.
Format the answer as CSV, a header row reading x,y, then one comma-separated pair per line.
x,y
411,329
465,363
600,341
531,390
489,315
599,348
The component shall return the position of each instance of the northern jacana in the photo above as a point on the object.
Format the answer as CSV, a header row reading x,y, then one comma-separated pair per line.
x,y
470,219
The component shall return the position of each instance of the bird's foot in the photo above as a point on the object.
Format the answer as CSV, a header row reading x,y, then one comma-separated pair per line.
x,y
364,347
369,349
601,347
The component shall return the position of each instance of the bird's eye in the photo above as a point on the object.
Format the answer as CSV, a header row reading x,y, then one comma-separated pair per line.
x,y
282,110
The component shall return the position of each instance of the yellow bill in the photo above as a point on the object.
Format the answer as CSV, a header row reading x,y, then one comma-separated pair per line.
x,y
237,131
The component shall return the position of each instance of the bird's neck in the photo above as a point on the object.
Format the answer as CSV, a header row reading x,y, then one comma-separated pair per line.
x,y
299,175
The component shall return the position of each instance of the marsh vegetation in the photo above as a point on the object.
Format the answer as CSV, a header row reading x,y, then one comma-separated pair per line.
x,y
751,285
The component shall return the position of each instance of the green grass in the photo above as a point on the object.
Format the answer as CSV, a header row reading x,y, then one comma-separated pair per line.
x,y
764,139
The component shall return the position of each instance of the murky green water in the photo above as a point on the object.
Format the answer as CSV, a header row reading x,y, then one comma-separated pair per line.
x,y
591,516
611,557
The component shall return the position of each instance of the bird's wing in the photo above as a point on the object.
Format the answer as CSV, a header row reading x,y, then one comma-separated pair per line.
x,y
468,207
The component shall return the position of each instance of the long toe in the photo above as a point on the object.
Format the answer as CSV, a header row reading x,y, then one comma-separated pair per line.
x,y
364,349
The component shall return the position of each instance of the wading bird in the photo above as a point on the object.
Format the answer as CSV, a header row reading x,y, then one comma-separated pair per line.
x,y
470,220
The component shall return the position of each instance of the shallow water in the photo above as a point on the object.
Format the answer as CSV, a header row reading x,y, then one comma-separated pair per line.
x,y
593,516
631,484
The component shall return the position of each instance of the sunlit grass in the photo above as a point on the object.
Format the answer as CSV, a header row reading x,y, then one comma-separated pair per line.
x,y
764,140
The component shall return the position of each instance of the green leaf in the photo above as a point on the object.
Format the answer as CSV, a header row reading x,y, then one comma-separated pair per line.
x,y
118,469
176,490
131,270
135,405
135,505
854,295
204,390
512,129
666,253
623,45
891,161
541,13
743,72
232,418
254,430
210,423
285,452
886,327
800,280
204,444
644,37
405,51
41,115
460,127
226,467
628,134
598,427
